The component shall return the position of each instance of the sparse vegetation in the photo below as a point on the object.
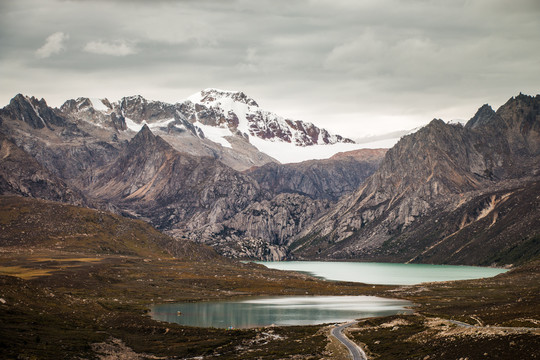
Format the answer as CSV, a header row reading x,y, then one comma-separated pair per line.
x,y
419,337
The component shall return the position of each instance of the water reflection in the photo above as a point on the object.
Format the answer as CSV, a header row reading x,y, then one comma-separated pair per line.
x,y
306,310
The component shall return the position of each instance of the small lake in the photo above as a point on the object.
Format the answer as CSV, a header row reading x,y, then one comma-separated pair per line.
x,y
283,310
384,273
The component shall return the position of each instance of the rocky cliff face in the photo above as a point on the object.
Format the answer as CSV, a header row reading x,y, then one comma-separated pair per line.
x,y
440,167
320,179
296,195
264,229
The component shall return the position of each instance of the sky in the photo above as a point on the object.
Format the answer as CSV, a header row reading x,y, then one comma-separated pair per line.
x,y
355,67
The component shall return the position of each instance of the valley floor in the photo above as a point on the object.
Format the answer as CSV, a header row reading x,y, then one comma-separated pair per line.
x,y
64,305
58,304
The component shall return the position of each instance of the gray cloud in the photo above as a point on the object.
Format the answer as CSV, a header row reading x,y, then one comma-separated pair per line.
x,y
353,66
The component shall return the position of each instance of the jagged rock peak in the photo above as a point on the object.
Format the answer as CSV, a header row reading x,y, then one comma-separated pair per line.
x,y
144,134
436,122
21,99
139,109
34,112
131,101
484,115
522,102
211,96
84,103
145,140
433,127
140,102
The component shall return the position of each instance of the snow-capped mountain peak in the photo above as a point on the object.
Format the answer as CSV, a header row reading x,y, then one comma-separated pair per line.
x,y
237,111
212,97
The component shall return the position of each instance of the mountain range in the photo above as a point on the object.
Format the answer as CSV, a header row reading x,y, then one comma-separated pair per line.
x,y
201,170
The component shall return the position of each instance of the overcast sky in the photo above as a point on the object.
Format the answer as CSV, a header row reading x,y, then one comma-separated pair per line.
x,y
355,67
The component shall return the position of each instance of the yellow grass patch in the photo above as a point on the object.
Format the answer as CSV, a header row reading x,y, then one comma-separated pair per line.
x,y
24,273
80,259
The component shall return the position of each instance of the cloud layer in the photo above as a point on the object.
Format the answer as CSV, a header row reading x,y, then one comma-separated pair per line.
x,y
356,67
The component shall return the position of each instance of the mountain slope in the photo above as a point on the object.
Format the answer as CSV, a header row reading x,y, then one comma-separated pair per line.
x,y
38,224
172,190
439,168
67,149
21,174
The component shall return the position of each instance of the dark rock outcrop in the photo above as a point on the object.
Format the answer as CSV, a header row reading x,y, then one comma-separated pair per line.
x,y
139,109
264,229
32,111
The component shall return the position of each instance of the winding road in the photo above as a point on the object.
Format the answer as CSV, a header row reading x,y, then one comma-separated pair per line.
x,y
513,329
356,352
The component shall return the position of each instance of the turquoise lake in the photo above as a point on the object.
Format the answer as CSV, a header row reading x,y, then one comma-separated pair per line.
x,y
384,273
